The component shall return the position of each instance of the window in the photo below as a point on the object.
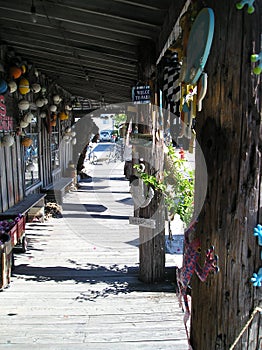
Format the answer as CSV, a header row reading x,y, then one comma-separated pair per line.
x,y
55,159
31,155
55,150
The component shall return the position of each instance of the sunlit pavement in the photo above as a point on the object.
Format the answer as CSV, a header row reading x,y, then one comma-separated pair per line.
x,y
77,286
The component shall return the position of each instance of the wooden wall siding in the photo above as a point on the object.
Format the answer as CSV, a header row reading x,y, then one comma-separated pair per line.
x,y
20,172
228,131
11,177
3,183
66,155
46,173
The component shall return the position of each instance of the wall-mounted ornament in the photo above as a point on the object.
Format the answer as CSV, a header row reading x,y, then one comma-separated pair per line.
x,y
258,233
199,45
256,279
249,3
257,58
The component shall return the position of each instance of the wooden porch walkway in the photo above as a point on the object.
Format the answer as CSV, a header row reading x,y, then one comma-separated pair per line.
x,y
77,288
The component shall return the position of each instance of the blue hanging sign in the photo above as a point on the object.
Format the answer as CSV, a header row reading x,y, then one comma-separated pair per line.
x,y
141,94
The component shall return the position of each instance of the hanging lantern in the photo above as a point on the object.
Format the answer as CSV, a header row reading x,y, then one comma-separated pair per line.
x,y
24,86
53,123
23,105
73,133
45,101
12,86
15,72
8,140
36,88
27,142
74,141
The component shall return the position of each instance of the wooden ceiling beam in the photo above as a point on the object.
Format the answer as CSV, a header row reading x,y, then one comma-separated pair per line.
x,y
60,44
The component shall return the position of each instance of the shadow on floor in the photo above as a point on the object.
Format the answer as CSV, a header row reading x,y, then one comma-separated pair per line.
x,y
114,279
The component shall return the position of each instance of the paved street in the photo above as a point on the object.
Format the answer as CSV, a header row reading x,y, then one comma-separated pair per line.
x,y
77,286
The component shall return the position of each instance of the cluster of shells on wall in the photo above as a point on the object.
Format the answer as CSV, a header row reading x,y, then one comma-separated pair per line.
x,y
27,86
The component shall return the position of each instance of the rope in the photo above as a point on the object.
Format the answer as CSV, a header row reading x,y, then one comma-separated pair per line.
x,y
257,309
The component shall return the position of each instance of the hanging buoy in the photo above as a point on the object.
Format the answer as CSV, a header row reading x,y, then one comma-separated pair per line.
x,y
23,105
27,142
8,140
12,86
24,86
36,88
15,72
3,86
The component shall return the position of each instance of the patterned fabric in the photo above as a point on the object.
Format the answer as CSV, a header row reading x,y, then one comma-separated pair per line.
x,y
171,85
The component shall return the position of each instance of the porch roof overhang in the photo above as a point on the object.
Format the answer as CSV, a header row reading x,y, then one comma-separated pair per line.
x,y
90,48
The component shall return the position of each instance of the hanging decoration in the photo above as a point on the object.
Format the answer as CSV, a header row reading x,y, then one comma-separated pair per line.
x,y
27,141
257,58
63,116
7,140
12,86
190,265
24,86
36,88
6,122
15,72
3,86
249,3
23,105
256,279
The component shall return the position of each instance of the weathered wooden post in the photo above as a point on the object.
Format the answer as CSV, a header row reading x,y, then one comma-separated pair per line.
x,y
229,133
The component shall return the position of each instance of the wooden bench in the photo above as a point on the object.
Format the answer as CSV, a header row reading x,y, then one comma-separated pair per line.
x,y
35,200
28,207
57,190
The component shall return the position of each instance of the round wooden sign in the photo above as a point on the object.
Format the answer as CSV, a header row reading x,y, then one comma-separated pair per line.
x,y
199,44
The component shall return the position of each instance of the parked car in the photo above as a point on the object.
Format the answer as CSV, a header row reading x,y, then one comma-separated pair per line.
x,y
105,135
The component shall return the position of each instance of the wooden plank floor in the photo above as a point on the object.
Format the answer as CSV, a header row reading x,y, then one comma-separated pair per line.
x,y
77,286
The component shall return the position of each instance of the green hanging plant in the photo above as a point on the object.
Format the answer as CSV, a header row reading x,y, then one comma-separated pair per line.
x,y
177,185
